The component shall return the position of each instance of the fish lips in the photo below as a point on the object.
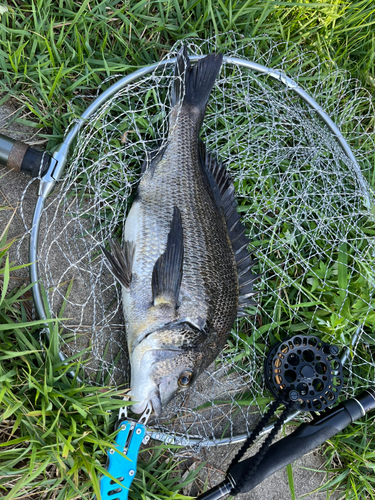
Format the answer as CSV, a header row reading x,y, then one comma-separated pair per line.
x,y
154,399
152,380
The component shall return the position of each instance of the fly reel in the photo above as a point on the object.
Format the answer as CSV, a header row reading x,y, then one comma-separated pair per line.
x,y
306,371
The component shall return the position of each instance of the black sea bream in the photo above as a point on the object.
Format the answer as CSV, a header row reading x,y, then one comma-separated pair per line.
x,y
184,268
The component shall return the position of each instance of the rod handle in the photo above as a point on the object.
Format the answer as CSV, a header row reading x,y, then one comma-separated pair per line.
x,y
303,440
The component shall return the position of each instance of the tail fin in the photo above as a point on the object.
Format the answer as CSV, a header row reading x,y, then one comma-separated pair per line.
x,y
193,85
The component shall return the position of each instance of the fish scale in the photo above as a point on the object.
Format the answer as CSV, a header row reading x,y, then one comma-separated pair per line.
x,y
211,233
205,229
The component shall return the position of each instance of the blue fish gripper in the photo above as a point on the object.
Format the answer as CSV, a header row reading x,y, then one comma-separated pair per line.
x,y
128,442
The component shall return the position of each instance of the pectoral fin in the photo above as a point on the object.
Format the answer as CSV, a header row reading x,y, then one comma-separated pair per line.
x,y
167,273
121,261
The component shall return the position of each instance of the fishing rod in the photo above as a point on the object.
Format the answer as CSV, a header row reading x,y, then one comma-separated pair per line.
x,y
304,439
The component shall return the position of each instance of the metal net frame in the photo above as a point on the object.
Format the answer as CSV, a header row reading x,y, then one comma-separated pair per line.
x,y
307,207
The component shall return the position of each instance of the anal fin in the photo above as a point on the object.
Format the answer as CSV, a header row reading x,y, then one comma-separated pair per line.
x,y
152,159
167,272
121,261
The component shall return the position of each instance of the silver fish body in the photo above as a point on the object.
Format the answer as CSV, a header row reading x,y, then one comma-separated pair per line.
x,y
179,268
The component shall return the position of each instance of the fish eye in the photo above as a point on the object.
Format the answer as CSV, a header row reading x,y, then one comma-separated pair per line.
x,y
185,378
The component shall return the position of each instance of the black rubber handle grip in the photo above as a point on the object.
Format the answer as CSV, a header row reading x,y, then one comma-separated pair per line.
x,y
18,156
287,450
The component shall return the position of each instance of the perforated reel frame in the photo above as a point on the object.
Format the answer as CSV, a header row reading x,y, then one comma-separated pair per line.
x,y
305,370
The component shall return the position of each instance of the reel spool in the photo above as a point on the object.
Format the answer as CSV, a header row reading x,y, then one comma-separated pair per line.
x,y
305,370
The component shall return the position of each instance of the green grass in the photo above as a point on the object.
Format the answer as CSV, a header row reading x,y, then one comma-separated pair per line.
x,y
350,460
54,432
51,52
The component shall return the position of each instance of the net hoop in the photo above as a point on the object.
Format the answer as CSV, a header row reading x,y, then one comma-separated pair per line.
x,y
59,162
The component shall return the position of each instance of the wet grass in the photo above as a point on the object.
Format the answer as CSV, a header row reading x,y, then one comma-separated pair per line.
x,y
53,431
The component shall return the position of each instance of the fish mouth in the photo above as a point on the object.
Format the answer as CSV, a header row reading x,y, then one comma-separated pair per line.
x,y
153,400
156,404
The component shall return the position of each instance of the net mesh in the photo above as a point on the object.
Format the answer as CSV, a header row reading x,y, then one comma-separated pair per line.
x,y
308,212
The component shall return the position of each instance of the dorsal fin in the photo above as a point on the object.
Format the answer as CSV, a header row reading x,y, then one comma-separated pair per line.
x,y
223,190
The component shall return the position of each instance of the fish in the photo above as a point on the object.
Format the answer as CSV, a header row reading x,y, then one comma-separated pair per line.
x,y
184,267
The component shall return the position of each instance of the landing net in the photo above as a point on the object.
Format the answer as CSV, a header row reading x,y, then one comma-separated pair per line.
x,y
308,210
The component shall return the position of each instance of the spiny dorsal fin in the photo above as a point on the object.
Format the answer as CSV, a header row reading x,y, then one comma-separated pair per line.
x,y
223,190
167,272
121,261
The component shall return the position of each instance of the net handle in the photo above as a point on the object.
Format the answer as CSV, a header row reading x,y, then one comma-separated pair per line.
x,y
21,157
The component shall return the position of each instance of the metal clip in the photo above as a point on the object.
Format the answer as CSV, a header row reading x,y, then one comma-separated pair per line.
x,y
123,411
146,414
